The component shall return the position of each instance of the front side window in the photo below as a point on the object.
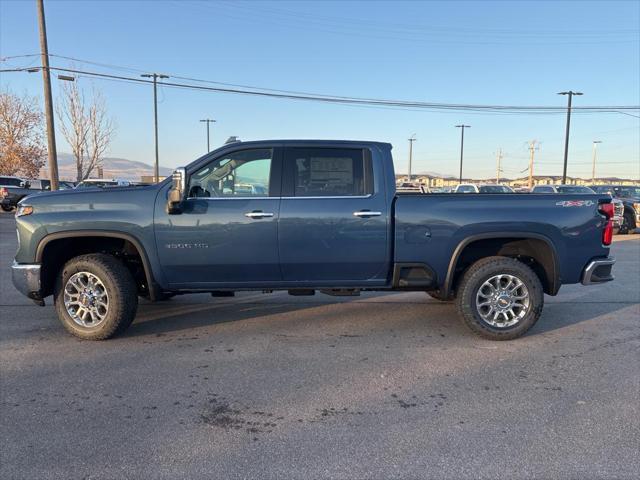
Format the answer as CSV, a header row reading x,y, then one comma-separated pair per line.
x,y
239,174
329,172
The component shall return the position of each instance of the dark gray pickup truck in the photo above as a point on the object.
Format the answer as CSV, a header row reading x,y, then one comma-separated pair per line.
x,y
305,216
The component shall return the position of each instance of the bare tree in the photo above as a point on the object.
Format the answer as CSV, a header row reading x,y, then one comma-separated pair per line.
x,y
101,131
85,126
22,150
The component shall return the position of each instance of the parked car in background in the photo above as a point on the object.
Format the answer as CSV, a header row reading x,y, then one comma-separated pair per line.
x,y
407,187
102,183
466,188
12,189
618,215
45,184
562,189
629,195
483,188
494,188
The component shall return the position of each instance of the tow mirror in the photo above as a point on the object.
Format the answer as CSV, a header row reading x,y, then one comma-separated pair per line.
x,y
178,192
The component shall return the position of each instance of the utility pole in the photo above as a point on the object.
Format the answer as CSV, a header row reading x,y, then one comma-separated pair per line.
x,y
595,156
498,169
411,140
533,146
208,121
462,127
155,76
48,101
566,138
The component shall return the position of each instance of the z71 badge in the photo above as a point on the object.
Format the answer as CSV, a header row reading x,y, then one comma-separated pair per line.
x,y
575,203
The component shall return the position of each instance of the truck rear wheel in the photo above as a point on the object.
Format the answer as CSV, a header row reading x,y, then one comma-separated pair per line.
x,y
500,298
95,296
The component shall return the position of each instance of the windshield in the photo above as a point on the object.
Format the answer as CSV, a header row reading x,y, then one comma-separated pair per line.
x,y
466,189
627,191
574,189
495,189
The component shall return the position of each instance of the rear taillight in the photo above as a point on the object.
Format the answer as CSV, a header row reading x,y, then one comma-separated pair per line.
x,y
607,234
3,192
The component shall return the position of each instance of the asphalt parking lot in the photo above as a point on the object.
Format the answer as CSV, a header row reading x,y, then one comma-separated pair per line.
x,y
273,386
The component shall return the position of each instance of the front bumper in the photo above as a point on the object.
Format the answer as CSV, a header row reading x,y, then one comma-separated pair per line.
x,y
598,271
26,279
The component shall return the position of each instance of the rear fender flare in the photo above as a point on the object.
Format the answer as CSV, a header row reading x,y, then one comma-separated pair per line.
x,y
555,276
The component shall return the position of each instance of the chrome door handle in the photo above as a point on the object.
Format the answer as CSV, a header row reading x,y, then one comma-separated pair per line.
x,y
258,214
366,213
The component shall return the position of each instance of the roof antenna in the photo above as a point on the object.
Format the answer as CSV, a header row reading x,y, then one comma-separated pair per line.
x,y
232,139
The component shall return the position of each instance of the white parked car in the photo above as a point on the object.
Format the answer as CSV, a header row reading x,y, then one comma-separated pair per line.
x,y
466,188
102,183
482,188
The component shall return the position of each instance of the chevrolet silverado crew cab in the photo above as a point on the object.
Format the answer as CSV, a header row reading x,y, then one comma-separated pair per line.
x,y
305,216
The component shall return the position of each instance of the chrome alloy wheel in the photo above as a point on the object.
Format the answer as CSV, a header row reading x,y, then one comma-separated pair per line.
x,y
86,299
502,301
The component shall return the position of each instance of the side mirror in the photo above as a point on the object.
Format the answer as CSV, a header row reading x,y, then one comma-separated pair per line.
x,y
178,192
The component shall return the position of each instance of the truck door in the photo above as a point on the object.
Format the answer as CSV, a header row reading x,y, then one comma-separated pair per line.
x,y
226,234
333,218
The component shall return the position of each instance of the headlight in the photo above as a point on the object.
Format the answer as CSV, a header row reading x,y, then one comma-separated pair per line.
x,y
23,210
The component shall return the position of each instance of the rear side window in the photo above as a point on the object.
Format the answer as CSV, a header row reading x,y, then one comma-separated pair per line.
x,y
10,182
329,172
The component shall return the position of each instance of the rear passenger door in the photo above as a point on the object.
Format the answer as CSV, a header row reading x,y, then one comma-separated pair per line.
x,y
333,218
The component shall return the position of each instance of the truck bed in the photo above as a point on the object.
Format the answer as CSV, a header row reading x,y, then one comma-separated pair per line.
x,y
430,228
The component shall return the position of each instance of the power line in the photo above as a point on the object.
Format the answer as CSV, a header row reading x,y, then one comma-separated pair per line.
x,y
354,100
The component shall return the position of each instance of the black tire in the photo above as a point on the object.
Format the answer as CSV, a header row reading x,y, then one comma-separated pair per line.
x,y
7,208
120,288
628,224
476,276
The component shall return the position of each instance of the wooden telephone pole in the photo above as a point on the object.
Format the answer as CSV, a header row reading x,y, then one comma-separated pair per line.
x,y
48,101
411,140
533,146
498,169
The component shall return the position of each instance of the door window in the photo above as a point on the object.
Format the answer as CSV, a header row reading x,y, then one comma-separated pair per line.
x,y
239,174
329,172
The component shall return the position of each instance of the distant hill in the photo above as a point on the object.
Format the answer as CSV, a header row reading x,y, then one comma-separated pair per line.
x,y
113,168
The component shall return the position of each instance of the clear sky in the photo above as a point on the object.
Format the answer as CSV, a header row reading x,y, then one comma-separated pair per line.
x,y
510,53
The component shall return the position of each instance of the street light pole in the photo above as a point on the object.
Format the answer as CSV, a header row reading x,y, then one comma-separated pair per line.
x,y
595,155
208,121
570,94
48,101
411,140
462,127
155,76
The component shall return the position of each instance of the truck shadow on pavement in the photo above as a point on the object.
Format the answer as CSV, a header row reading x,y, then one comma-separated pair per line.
x,y
164,318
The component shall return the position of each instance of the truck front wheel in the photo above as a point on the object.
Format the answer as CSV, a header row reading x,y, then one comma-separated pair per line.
x,y
95,296
500,298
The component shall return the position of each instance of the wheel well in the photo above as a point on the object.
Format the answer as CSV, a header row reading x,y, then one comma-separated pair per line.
x,y
534,252
630,211
59,251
